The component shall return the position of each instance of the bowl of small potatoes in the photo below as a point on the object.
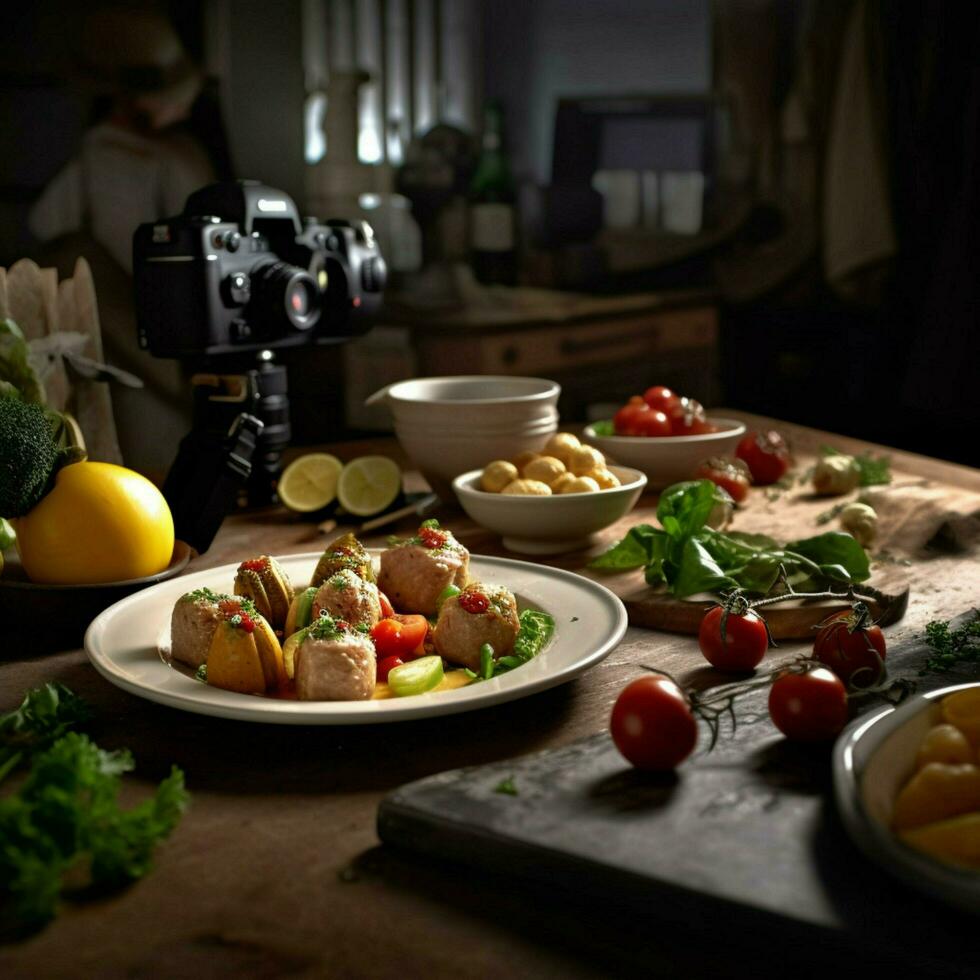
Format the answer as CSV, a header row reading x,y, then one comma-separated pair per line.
x,y
551,501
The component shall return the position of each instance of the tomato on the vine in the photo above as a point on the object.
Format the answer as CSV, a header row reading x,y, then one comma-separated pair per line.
x,y
766,455
400,636
743,644
636,418
729,474
660,398
808,707
652,723
848,643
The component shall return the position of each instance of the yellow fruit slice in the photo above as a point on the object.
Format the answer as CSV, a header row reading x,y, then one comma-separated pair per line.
x,y
956,841
309,482
368,485
962,709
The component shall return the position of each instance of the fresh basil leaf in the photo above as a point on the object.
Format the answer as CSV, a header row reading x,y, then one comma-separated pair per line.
x,y
634,551
835,548
684,508
604,427
699,572
758,575
758,542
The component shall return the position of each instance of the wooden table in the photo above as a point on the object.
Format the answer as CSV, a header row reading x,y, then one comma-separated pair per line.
x,y
276,868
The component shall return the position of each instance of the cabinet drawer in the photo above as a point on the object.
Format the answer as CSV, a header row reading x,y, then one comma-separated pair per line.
x,y
626,339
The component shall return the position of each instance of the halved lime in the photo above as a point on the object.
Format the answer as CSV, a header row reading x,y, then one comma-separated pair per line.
x,y
369,484
309,483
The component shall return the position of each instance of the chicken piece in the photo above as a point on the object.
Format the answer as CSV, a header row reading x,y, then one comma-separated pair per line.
x,y
195,618
414,573
264,582
334,663
347,597
479,614
345,552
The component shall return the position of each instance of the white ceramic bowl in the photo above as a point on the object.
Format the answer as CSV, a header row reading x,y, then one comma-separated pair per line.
x,y
669,459
549,525
449,425
872,760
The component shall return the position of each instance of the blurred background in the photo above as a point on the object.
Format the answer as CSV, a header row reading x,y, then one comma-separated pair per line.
x,y
765,204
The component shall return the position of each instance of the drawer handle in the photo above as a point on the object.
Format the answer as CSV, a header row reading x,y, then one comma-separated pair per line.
x,y
569,346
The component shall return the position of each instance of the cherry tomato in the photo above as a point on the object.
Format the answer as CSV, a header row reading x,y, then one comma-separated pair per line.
x,y
660,398
730,474
810,707
400,636
687,418
766,455
386,666
847,645
387,609
744,644
636,418
652,724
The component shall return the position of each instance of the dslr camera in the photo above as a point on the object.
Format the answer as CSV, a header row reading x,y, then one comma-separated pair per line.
x,y
222,286
239,272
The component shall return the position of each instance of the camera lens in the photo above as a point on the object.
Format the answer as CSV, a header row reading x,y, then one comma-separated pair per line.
x,y
284,299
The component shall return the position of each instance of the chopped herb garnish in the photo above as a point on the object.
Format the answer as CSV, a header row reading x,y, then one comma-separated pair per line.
x,y
574,619
430,523
201,674
338,582
507,787
363,628
950,648
205,593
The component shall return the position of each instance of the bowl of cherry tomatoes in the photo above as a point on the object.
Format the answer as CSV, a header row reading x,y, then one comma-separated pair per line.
x,y
665,435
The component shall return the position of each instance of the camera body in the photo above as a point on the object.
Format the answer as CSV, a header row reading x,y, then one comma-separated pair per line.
x,y
239,272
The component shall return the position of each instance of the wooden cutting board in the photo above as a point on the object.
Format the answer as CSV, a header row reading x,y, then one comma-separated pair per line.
x,y
656,609
744,838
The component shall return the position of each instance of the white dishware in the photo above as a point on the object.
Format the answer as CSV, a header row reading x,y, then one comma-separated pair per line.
x,y
449,425
669,459
127,644
549,525
873,758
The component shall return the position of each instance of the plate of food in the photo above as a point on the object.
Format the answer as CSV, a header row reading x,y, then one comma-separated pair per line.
x,y
907,782
352,636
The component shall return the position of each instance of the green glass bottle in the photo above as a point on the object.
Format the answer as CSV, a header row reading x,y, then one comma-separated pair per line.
x,y
493,215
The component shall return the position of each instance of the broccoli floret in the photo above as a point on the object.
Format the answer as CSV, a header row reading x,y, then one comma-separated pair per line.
x,y
28,456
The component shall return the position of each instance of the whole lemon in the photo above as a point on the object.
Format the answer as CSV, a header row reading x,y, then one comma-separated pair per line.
x,y
99,523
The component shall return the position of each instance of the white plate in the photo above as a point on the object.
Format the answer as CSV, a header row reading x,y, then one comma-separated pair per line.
x,y
872,760
124,645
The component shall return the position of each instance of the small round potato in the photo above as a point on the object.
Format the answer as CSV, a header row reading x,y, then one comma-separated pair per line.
x,y
581,484
547,469
522,459
497,475
563,481
534,488
585,459
605,479
560,445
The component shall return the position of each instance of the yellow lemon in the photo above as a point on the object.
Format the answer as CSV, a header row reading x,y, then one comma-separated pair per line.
x,y
99,523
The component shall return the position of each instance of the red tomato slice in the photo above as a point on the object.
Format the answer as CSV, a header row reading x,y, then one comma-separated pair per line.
x,y
400,636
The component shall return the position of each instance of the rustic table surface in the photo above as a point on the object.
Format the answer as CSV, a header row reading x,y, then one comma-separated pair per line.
x,y
276,867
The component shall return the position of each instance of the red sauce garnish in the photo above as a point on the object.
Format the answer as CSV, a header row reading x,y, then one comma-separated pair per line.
x,y
255,565
474,602
431,538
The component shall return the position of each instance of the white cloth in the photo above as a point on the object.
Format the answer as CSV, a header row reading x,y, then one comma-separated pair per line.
x,y
118,180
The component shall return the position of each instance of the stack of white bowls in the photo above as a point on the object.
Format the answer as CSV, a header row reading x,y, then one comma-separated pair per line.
x,y
450,425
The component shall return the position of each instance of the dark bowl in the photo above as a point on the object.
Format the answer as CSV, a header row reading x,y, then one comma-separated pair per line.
x,y
38,618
